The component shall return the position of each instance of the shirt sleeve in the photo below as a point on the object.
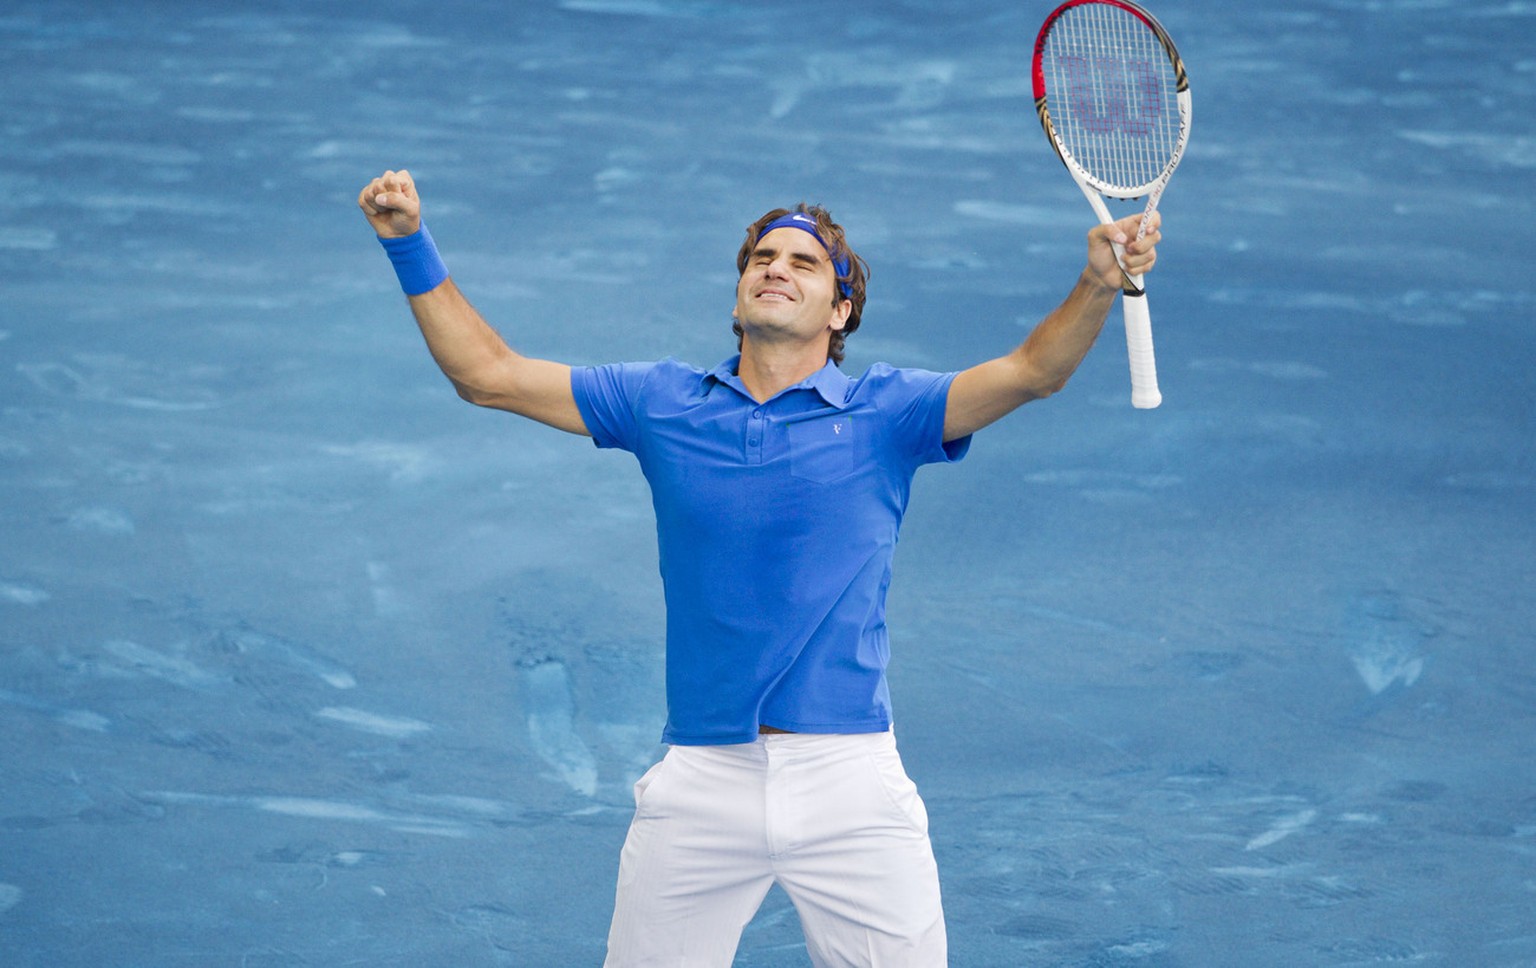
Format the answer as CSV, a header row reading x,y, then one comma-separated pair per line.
x,y
915,401
608,397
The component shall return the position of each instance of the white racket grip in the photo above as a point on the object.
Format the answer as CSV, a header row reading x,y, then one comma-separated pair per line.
x,y
1138,320
1138,343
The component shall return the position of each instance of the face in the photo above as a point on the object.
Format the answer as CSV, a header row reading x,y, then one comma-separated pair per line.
x,y
787,290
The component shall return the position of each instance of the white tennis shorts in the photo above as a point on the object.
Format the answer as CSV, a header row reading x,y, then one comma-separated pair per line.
x,y
833,819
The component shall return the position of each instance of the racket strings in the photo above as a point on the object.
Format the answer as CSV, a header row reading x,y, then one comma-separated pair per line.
x,y
1112,93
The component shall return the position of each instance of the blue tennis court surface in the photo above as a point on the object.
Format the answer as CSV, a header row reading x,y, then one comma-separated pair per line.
x,y
303,662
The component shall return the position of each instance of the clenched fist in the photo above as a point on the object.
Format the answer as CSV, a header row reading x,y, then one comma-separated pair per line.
x,y
391,204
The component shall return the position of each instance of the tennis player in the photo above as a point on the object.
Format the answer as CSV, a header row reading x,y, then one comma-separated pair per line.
x,y
779,484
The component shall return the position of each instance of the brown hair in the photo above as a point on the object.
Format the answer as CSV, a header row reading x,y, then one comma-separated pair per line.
x,y
836,242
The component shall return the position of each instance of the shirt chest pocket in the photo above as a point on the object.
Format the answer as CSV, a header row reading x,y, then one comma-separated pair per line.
x,y
824,449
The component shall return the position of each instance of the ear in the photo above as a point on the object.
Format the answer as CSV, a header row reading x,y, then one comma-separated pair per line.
x,y
840,313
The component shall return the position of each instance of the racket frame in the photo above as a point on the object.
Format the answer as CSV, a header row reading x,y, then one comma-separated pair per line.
x,y
1138,322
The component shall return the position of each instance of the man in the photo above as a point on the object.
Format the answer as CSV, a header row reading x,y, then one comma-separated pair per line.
x,y
779,484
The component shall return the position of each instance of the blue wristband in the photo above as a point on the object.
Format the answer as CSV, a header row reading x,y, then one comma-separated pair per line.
x,y
417,264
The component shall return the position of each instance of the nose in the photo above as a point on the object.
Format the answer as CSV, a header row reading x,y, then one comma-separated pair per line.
x,y
777,269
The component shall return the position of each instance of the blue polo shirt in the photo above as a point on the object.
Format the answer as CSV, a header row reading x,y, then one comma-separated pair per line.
x,y
776,524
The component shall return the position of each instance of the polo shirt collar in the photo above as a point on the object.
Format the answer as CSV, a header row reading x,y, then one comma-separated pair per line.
x,y
829,382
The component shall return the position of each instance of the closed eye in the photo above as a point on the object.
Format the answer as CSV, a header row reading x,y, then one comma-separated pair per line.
x,y
763,255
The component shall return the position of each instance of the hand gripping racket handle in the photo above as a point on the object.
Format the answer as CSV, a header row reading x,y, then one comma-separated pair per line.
x,y
1138,319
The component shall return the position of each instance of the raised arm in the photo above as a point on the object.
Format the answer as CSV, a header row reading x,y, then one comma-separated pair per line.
x,y
477,361
1041,365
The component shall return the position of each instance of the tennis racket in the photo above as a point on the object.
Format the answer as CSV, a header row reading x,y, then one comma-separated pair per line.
x,y
1113,98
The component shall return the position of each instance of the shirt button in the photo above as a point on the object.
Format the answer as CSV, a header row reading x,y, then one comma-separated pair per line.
x,y
756,414
752,441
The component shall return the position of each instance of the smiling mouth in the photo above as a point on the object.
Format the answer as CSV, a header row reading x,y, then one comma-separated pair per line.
x,y
776,295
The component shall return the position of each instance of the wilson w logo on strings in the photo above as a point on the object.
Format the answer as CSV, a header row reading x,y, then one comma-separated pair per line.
x,y
1111,95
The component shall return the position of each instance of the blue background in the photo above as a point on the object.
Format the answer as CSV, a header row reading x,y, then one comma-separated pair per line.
x,y
304,662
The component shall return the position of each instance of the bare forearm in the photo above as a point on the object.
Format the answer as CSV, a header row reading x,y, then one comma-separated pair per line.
x,y
464,345
1042,364
485,370
474,357
1056,347
1037,368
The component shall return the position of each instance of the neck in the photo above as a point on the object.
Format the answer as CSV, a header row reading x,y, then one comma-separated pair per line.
x,y
766,369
